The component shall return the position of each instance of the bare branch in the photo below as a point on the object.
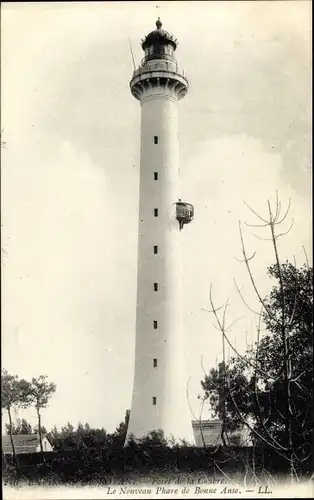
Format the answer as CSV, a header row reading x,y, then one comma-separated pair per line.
x,y
286,349
222,433
224,314
222,330
269,410
300,375
204,371
286,232
279,413
295,294
201,425
306,259
233,323
216,327
304,460
247,259
188,398
210,310
256,225
259,413
245,422
277,222
267,309
224,474
256,214
242,298
262,239
278,206
298,385
270,476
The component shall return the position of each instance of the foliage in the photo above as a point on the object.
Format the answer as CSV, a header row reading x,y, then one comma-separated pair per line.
x,y
81,438
92,456
154,439
22,427
14,392
128,465
41,391
219,397
86,439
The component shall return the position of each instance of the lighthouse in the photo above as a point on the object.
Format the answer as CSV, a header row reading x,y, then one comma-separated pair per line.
x,y
159,400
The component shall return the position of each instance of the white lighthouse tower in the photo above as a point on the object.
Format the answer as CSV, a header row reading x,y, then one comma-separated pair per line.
x,y
159,394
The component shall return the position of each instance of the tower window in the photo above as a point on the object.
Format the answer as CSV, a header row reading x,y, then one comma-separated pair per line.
x,y
155,287
155,212
155,363
155,139
154,400
155,249
155,176
155,323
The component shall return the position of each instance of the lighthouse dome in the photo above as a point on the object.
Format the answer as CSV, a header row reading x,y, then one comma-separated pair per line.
x,y
159,37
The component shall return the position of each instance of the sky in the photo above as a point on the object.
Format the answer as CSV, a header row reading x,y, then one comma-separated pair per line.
x,y
70,183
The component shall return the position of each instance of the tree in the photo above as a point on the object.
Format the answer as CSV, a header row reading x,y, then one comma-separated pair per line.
x,y
87,427
22,427
219,398
83,438
298,293
122,429
43,430
269,388
25,427
298,287
15,394
54,433
41,391
67,430
64,437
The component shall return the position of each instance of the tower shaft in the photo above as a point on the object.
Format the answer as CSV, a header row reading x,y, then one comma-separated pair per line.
x,y
159,394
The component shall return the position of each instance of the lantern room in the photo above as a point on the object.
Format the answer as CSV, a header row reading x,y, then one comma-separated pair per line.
x,y
159,44
184,213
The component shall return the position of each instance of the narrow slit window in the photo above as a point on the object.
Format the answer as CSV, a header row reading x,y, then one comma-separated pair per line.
x,y
155,176
155,363
155,139
155,287
154,400
155,212
155,249
155,323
